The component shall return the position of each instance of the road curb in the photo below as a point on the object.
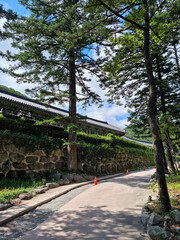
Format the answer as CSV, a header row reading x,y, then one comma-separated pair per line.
x,y
8,214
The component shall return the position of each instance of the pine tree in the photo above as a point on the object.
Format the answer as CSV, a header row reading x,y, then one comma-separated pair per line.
x,y
7,14
138,16
54,49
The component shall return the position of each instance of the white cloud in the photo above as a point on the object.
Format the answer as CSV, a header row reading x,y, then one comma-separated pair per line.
x,y
2,22
113,114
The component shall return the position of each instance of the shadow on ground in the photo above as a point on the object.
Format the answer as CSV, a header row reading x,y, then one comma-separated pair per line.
x,y
91,224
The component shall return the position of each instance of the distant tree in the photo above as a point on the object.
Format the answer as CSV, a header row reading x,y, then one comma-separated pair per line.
x,y
12,90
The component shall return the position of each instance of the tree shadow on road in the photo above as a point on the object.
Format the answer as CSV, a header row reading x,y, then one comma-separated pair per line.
x,y
90,224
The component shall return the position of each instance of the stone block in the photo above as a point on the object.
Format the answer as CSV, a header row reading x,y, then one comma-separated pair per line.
x,y
158,233
35,166
56,176
23,150
49,166
89,178
78,178
16,157
70,177
176,215
6,166
66,181
3,156
4,206
145,215
39,153
18,165
31,159
155,219
25,196
52,185
53,158
12,148
39,190
61,182
44,159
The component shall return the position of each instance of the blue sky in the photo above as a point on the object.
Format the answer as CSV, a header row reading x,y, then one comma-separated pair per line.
x,y
113,114
15,6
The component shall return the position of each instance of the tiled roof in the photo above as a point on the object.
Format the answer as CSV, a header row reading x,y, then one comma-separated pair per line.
x,y
26,101
142,142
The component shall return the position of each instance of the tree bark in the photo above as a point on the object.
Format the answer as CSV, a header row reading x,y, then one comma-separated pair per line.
x,y
72,138
166,131
169,148
157,142
176,55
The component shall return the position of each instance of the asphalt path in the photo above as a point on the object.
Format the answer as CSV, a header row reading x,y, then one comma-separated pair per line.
x,y
110,210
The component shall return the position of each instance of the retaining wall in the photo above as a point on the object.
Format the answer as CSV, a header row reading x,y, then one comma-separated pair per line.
x,y
17,162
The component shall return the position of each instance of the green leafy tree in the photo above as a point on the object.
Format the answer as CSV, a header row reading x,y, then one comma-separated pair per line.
x,y
138,16
167,97
54,52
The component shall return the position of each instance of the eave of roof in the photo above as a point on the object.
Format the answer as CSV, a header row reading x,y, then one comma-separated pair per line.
x,y
29,102
138,141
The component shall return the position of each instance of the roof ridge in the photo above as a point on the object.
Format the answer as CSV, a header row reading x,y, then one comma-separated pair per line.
x,y
31,100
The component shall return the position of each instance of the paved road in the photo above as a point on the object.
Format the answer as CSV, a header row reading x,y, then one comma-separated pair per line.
x,y
18,227
111,210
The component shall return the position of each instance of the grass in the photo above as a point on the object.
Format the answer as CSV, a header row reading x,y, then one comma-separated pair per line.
x,y
11,188
173,185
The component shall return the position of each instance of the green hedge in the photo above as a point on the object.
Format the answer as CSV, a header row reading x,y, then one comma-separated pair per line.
x,y
31,142
25,127
91,148
112,140
123,153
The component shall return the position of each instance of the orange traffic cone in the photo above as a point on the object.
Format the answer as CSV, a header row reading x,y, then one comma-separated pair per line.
x,y
144,169
95,181
127,172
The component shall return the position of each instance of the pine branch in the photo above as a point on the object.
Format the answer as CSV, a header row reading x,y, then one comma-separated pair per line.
x,y
156,34
122,30
121,16
157,9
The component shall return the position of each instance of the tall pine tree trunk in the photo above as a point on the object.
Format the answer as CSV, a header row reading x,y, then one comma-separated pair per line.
x,y
176,55
169,148
164,196
166,131
72,138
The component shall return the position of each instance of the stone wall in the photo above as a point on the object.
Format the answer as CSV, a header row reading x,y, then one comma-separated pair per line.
x,y
15,162
122,161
